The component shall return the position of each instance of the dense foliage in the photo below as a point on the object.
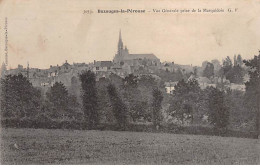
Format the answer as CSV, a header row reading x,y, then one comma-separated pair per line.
x,y
157,106
62,105
118,106
253,89
209,70
185,100
89,98
233,72
18,97
219,112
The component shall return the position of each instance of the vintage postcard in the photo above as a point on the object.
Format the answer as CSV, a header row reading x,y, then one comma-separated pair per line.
x,y
130,82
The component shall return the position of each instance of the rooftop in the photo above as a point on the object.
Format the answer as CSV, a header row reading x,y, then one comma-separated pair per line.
x,y
141,56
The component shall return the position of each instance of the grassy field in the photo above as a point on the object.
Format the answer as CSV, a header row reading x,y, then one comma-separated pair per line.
x,y
39,146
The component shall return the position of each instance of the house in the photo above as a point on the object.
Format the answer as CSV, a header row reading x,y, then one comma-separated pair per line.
x,y
169,67
204,82
102,66
169,86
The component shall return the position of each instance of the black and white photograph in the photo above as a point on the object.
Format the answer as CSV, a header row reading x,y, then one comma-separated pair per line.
x,y
130,82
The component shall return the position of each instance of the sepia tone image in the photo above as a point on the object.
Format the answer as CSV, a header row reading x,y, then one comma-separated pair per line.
x,y
133,82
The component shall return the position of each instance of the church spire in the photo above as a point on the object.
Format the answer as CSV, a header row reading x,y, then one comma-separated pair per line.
x,y
120,38
120,44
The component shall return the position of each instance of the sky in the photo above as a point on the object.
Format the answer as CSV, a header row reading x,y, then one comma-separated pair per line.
x,y
47,32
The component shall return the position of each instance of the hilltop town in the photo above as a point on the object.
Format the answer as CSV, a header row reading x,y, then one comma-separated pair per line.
x,y
123,64
179,85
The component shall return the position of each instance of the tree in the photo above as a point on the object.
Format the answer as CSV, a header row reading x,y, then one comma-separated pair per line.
x,y
253,89
195,71
118,106
146,84
74,108
227,65
157,106
219,112
132,96
74,89
240,115
89,98
177,104
235,74
62,105
18,97
130,81
216,64
116,80
58,97
178,75
209,70
104,109
204,64
185,102
239,60
235,60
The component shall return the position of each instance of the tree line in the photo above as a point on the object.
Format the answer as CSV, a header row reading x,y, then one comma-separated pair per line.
x,y
120,100
137,99
232,71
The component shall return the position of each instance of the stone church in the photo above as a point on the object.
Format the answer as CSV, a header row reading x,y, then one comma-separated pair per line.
x,y
124,57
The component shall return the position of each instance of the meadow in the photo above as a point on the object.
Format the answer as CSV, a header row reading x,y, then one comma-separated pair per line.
x,y
48,146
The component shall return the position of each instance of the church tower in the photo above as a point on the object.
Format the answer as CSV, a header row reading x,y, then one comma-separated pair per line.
x,y
120,45
121,51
